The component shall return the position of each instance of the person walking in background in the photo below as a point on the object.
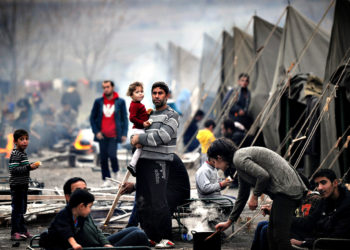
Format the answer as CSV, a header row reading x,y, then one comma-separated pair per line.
x,y
19,168
109,123
139,117
206,137
158,148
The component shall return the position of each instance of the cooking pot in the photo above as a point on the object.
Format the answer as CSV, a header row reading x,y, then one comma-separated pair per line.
x,y
199,243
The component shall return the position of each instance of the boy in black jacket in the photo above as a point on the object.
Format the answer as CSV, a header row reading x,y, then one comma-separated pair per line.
x,y
65,230
331,219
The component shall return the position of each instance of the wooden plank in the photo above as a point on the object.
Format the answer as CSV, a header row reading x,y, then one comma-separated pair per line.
x,y
61,197
115,202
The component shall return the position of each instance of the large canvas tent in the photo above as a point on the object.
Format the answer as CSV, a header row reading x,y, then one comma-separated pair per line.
x,y
264,69
183,78
237,55
296,33
337,119
209,71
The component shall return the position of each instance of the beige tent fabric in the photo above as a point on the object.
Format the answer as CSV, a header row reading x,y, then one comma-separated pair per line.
x,y
209,71
243,53
296,32
228,56
337,55
264,69
183,69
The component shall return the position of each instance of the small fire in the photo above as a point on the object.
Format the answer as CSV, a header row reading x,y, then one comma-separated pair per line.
x,y
79,146
9,146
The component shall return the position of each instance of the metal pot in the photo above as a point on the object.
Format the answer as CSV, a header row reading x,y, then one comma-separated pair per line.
x,y
199,242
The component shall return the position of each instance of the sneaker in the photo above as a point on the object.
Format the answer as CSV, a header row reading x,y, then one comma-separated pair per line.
x,y
132,170
152,243
115,175
165,244
28,235
106,184
18,236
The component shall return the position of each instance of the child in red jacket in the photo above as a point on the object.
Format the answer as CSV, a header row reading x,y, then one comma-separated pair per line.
x,y
139,117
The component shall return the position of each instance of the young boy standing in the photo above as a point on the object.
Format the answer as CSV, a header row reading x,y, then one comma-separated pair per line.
x,y
19,168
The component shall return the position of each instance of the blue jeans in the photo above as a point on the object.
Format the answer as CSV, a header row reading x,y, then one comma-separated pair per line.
x,y
131,236
134,218
108,150
260,237
19,208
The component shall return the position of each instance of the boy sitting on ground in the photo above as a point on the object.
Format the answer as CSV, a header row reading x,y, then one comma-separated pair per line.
x,y
64,231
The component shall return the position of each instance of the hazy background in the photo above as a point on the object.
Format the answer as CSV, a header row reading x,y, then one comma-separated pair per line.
x,y
114,39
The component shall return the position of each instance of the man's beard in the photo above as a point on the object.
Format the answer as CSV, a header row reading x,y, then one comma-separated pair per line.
x,y
160,104
109,95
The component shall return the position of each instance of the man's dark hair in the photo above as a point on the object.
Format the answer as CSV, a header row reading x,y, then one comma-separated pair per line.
x,y
209,123
199,113
328,173
80,196
18,133
67,189
106,81
223,147
243,75
161,85
229,124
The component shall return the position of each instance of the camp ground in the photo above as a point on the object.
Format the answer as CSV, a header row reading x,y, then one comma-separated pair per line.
x,y
299,68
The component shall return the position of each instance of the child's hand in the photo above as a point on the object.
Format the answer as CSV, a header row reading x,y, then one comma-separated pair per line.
x,y
148,123
35,165
226,182
149,111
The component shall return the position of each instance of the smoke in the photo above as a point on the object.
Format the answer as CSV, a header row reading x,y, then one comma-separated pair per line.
x,y
200,215
146,69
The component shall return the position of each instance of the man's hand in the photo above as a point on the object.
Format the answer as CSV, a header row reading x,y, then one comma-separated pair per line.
x,y
77,247
123,139
222,226
99,136
253,202
265,209
134,140
240,112
296,242
127,188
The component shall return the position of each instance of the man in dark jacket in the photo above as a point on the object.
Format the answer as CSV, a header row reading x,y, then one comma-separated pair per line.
x,y
332,217
109,123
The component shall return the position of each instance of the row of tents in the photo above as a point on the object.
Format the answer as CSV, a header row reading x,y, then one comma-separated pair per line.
x,y
299,82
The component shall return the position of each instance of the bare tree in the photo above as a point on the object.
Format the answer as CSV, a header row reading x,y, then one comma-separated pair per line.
x,y
21,41
96,24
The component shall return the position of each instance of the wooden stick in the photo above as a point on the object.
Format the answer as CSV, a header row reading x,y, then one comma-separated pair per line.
x,y
212,235
119,193
239,229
